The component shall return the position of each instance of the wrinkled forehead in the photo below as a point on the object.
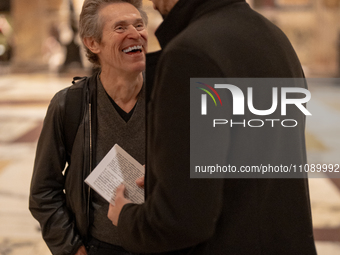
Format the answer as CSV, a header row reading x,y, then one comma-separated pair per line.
x,y
121,11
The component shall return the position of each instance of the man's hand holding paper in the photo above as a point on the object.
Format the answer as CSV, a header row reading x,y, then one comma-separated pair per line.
x,y
116,168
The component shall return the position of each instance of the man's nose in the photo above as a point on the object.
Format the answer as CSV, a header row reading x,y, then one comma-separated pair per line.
x,y
133,33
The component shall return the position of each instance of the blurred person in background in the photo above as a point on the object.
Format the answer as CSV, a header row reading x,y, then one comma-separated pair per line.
x,y
6,40
73,218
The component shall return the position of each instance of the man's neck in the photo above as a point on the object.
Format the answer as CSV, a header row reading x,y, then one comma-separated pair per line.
x,y
123,89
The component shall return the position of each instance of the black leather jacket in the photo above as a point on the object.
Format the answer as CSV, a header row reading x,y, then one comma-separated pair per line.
x,y
59,198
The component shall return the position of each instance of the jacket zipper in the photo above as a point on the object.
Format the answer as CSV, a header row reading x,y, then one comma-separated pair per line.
x,y
90,162
90,120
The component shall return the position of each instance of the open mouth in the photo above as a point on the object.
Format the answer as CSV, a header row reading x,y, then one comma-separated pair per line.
x,y
133,49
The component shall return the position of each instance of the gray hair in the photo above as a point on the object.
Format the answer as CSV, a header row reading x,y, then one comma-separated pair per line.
x,y
91,26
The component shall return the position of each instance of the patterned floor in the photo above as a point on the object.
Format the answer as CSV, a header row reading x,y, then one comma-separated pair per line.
x,y
23,102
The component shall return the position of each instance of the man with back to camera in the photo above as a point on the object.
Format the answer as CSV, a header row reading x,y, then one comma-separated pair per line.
x,y
221,38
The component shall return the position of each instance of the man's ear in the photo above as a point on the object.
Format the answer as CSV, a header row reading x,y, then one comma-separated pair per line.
x,y
91,44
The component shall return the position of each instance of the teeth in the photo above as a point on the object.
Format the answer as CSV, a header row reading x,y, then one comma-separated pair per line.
x,y
137,47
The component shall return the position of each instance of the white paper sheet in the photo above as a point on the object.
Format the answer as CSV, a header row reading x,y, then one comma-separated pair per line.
x,y
115,168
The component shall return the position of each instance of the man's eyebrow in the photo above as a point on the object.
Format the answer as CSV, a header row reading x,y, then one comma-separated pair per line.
x,y
125,22
139,20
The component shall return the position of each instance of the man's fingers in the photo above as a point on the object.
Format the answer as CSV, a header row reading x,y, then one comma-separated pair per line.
x,y
120,201
120,190
140,182
120,195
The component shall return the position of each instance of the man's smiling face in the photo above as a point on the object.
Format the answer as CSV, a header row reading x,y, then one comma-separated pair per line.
x,y
124,38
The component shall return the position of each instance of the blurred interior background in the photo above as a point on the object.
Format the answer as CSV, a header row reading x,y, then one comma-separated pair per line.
x,y
40,52
41,35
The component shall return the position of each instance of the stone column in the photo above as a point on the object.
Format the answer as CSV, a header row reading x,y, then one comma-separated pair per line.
x,y
31,24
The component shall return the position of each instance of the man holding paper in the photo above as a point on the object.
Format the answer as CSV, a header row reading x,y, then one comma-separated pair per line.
x,y
72,216
220,38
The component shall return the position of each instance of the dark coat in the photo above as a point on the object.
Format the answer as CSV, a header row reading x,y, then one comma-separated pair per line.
x,y
59,199
220,38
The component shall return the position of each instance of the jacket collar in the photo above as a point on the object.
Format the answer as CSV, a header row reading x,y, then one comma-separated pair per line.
x,y
183,13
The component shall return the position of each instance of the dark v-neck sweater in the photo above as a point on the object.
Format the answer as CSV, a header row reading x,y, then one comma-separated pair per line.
x,y
130,135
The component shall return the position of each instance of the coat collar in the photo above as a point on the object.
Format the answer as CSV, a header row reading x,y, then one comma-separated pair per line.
x,y
183,13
